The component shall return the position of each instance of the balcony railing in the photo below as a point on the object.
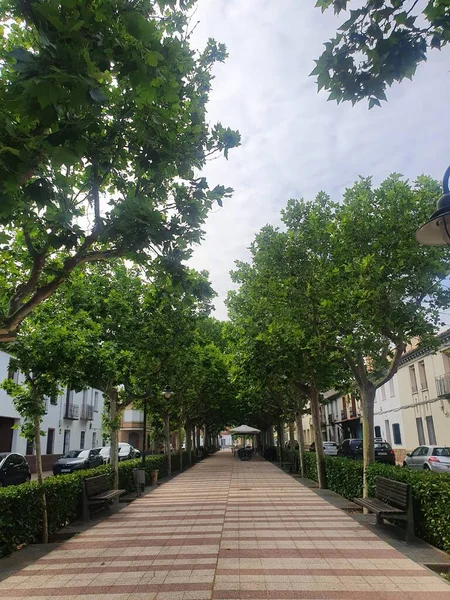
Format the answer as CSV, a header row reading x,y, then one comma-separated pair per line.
x,y
443,385
72,411
87,412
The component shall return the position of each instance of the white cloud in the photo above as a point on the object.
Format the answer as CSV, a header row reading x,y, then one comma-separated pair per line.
x,y
295,143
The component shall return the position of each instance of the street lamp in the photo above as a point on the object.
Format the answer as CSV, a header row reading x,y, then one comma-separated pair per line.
x,y
436,232
167,395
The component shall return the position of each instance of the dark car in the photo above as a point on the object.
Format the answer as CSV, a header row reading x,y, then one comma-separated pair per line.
x,y
77,459
351,448
14,469
354,449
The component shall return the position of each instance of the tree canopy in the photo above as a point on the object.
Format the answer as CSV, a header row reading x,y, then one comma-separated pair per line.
x,y
381,42
103,132
332,299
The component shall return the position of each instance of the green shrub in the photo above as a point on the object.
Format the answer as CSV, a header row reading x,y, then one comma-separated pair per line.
x,y
344,476
309,462
20,505
430,492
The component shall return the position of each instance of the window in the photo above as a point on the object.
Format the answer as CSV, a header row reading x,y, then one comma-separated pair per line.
x,y
383,392
94,439
387,429
430,429
82,437
412,376
66,441
423,376
377,431
96,401
391,387
46,400
50,441
420,432
396,433
85,397
30,447
54,400
442,452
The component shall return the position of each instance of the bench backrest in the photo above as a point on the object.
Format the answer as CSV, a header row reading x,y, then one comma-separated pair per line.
x,y
393,492
96,485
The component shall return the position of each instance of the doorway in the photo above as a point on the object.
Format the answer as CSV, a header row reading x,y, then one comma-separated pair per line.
x,y
6,434
50,441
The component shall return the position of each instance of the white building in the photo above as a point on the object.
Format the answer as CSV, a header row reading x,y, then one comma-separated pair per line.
x,y
388,416
73,422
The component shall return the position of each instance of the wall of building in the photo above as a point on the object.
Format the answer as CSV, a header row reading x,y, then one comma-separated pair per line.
x,y
388,417
426,413
54,424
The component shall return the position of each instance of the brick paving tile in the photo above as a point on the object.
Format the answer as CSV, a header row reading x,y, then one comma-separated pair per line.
x,y
227,530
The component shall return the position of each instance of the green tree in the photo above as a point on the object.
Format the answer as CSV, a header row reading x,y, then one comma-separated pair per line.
x,y
49,352
103,130
380,43
281,304
384,288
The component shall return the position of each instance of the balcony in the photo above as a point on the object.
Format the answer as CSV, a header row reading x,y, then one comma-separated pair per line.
x,y
87,412
443,386
72,411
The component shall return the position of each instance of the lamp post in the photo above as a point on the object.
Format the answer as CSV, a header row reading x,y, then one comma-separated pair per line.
x,y
436,232
167,395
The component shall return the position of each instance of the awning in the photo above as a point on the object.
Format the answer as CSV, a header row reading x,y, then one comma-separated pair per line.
x,y
244,430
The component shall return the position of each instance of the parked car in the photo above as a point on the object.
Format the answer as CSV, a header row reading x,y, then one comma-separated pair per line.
x,y
14,469
329,448
350,448
354,449
77,459
126,451
430,458
384,453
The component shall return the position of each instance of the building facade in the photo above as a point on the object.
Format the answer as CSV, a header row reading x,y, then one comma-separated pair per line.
x,y
72,422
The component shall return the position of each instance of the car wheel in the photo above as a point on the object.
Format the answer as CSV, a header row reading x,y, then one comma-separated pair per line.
x,y
426,467
405,465
28,479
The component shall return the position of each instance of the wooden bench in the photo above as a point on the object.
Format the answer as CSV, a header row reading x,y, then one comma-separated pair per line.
x,y
97,491
393,501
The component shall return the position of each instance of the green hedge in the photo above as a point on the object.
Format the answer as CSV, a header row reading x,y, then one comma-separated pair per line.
x,y
430,491
20,512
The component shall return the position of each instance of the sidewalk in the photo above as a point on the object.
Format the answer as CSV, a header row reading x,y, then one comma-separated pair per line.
x,y
227,530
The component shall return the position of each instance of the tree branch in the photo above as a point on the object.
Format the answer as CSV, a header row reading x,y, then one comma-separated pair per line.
x,y
399,350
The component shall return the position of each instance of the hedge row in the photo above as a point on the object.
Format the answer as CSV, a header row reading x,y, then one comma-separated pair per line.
x,y
430,492
20,505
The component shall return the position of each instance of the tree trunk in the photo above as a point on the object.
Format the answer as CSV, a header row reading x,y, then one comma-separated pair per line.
x,y
270,438
198,436
189,440
180,445
320,457
113,432
205,437
301,442
367,402
40,478
167,436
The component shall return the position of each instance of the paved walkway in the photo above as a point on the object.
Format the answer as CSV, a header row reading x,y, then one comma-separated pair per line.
x,y
227,530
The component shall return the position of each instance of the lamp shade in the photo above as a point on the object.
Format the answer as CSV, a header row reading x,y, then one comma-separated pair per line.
x,y
436,232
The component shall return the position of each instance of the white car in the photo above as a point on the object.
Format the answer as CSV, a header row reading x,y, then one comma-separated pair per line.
x,y
330,448
126,451
429,458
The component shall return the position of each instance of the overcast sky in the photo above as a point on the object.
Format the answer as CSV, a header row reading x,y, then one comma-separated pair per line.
x,y
294,142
